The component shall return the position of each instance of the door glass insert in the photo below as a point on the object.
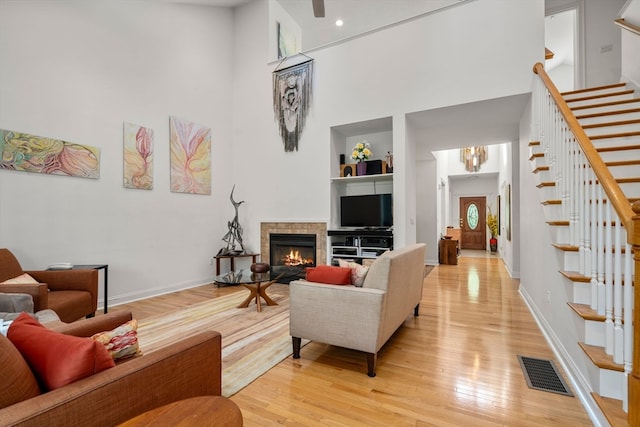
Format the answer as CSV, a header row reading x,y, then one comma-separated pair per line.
x,y
472,216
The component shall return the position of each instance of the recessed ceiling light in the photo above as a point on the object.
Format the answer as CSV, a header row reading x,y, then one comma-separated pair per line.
x,y
339,23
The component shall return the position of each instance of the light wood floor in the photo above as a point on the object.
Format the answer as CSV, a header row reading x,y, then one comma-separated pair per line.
x,y
453,365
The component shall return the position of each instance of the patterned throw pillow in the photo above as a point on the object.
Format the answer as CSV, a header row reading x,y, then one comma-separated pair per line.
x,y
358,272
122,342
20,280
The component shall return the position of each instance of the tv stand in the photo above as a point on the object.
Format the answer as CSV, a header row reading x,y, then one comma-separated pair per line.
x,y
359,245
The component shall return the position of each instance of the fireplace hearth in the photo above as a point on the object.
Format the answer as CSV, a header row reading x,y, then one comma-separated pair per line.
x,y
290,255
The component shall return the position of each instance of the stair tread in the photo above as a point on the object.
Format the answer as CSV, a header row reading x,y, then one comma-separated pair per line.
x,y
534,143
586,312
541,169
593,89
606,104
617,148
600,96
546,184
536,156
552,202
615,135
558,223
612,410
600,358
566,247
575,276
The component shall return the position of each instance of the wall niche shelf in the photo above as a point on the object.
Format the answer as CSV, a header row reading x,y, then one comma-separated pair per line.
x,y
364,178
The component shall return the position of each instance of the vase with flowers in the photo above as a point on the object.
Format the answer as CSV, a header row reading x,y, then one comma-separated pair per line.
x,y
361,153
492,223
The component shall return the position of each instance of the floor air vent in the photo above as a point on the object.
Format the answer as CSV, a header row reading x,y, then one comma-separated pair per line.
x,y
542,375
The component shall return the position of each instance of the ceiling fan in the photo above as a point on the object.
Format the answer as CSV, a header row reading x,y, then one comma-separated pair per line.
x,y
318,8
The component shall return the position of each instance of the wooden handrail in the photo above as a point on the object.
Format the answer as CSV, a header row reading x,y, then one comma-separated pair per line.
x,y
627,26
629,215
617,197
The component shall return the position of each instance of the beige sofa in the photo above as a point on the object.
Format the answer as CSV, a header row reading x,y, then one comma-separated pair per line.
x,y
360,318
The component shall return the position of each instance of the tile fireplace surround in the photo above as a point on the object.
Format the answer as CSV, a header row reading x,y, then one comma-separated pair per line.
x,y
317,228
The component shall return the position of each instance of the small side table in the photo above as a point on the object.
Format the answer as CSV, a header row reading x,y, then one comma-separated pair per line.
x,y
104,267
232,260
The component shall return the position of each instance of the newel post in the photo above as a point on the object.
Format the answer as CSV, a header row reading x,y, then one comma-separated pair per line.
x,y
634,378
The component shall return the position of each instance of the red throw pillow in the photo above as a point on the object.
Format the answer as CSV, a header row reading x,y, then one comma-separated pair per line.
x,y
329,274
57,359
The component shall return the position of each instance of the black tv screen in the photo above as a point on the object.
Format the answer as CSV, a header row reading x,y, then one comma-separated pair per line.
x,y
370,210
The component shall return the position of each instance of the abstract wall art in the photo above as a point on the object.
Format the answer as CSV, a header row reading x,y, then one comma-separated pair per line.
x,y
138,157
190,157
30,153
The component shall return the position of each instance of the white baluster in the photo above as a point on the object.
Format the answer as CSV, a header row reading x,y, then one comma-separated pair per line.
x,y
581,212
600,252
628,324
608,281
618,351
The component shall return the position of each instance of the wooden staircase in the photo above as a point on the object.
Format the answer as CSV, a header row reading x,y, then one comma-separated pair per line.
x,y
610,117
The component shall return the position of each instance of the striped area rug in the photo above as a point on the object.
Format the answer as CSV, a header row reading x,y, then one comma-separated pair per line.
x,y
252,342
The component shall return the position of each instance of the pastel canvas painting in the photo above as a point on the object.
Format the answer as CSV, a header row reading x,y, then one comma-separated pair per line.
x,y
190,157
138,157
29,153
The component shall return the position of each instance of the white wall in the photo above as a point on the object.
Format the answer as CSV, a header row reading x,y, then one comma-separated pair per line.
x,y
631,58
598,31
76,70
86,66
368,78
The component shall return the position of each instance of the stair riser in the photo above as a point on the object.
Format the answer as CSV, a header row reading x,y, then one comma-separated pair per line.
x,y
606,109
552,212
537,161
630,171
605,130
611,98
621,155
607,118
559,233
594,333
616,141
548,193
581,292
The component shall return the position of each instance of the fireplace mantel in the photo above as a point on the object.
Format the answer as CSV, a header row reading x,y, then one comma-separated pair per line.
x,y
317,228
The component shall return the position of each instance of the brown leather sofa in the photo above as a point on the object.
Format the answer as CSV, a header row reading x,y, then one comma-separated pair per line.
x,y
190,367
72,294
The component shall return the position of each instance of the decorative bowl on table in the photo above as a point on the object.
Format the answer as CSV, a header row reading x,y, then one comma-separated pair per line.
x,y
260,267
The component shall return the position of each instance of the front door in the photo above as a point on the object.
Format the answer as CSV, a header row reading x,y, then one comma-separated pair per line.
x,y
473,215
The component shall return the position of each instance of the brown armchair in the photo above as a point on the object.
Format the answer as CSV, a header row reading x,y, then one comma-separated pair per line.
x,y
72,294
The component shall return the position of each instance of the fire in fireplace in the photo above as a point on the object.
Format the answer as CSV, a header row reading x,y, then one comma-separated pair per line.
x,y
290,254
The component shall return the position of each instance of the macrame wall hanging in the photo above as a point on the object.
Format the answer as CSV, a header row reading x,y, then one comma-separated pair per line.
x,y
292,90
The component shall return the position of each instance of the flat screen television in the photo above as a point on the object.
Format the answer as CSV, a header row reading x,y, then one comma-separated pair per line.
x,y
370,210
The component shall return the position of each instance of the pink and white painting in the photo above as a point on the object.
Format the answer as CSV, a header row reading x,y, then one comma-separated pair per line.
x,y
138,157
30,153
190,157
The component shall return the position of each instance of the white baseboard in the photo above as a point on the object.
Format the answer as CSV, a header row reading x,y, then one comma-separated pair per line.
x,y
578,381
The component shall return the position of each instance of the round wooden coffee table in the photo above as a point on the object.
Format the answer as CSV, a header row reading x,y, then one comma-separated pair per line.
x,y
194,412
257,283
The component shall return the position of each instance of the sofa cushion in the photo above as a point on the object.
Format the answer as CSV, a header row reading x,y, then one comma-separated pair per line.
x,y
122,342
329,274
18,382
57,359
22,279
358,271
